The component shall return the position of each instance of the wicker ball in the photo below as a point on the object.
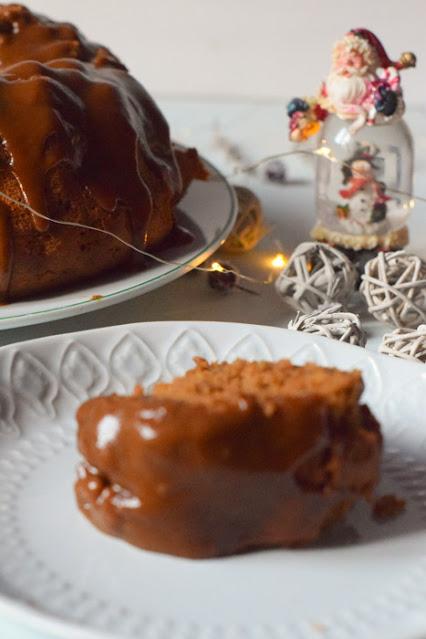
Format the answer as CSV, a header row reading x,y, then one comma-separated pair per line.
x,y
249,227
406,343
316,274
333,322
394,286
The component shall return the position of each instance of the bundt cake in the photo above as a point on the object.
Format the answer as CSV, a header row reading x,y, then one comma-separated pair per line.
x,y
83,142
228,458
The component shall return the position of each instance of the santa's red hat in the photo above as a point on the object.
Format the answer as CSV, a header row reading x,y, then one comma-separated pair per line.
x,y
406,60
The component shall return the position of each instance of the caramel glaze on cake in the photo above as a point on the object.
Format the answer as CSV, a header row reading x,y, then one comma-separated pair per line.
x,y
228,458
82,141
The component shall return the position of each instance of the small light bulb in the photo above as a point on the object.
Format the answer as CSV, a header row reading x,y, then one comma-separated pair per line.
x,y
279,261
325,152
215,266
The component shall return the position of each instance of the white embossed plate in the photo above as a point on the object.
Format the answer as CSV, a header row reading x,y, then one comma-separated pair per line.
x,y
60,575
208,210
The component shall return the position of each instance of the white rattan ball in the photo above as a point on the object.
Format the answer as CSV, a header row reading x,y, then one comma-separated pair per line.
x,y
406,343
333,322
394,287
316,274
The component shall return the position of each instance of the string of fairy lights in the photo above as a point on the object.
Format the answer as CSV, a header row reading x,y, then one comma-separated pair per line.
x,y
278,260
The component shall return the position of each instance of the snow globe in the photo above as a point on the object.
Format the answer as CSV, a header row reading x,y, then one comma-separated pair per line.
x,y
365,154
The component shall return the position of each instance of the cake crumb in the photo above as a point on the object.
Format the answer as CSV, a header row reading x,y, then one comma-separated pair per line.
x,y
95,298
269,383
138,391
388,507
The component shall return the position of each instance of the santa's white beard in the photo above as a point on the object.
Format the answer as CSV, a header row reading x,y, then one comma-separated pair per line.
x,y
342,90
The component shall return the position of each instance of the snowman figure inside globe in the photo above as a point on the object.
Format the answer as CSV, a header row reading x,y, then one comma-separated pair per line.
x,y
365,164
364,196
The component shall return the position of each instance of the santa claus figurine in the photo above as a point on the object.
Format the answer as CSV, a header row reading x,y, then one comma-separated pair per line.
x,y
364,171
363,86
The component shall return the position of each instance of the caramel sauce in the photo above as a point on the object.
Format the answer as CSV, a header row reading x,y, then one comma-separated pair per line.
x,y
200,481
103,146
179,236
26,36
67,101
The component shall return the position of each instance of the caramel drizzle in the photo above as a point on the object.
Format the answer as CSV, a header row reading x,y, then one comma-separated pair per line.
x,y
66,101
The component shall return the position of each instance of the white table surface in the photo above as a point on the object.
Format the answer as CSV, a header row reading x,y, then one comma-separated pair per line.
x,y
258,129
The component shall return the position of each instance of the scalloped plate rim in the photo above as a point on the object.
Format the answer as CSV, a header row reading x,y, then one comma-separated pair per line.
x,y
26,615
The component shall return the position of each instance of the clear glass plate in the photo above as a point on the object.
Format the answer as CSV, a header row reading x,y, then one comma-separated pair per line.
x,y
208,211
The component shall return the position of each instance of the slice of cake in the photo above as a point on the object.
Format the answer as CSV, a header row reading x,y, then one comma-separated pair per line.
x,y
227,458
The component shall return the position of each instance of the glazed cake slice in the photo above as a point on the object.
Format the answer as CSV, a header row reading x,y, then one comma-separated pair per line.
x,y
227,458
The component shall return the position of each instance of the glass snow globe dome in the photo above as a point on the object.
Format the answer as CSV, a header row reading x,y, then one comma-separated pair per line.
x,y
364,184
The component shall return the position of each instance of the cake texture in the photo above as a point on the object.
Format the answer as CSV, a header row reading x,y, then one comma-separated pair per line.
x,y
82,142
228,458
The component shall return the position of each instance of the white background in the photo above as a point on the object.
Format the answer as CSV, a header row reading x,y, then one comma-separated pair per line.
x,y
255,48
